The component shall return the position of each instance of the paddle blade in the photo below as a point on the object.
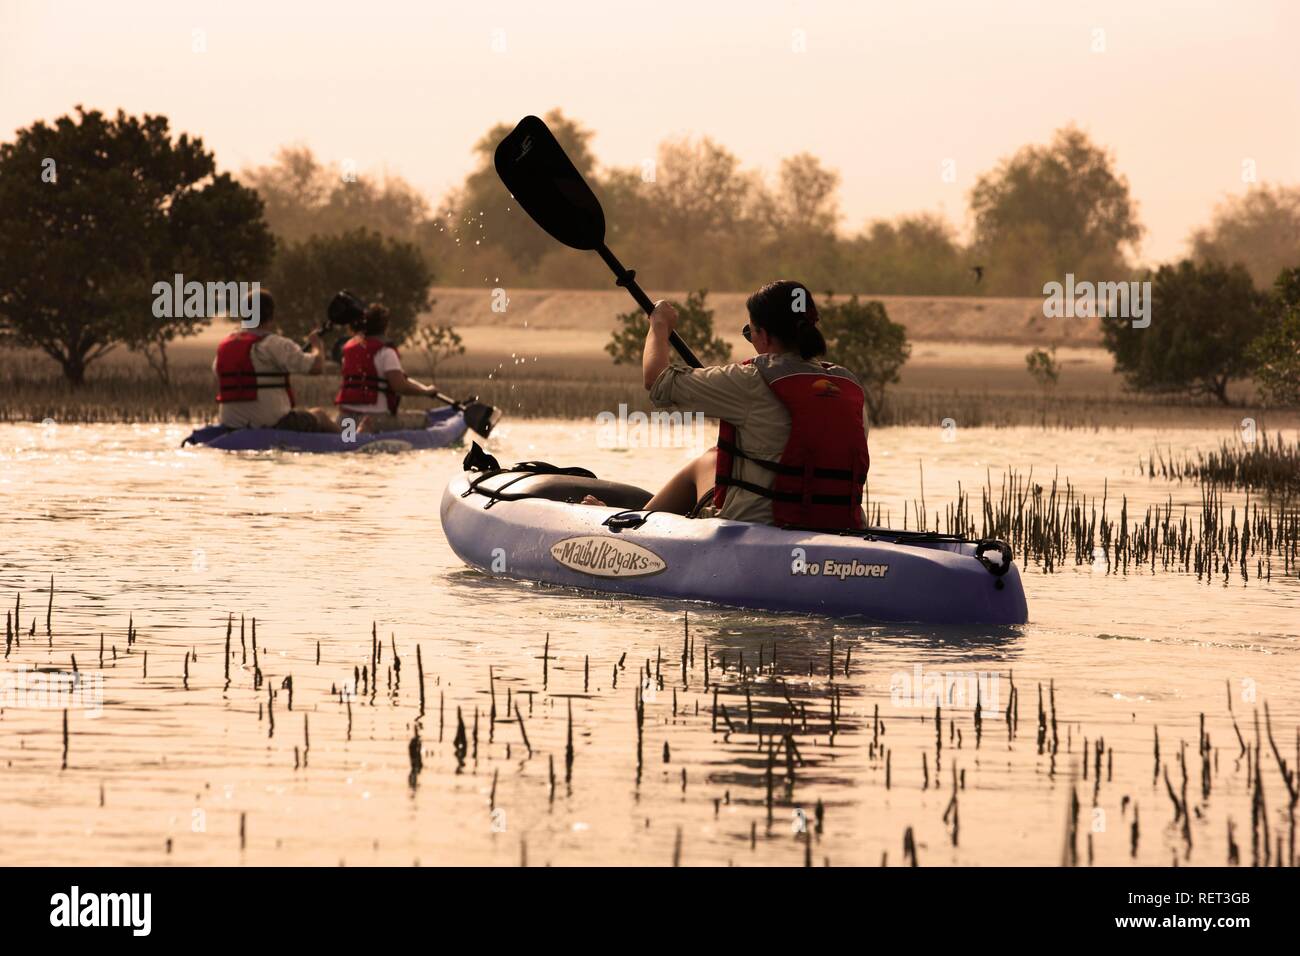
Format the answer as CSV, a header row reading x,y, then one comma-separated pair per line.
x,y
481,418
543,180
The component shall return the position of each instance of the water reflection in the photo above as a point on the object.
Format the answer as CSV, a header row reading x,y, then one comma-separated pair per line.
x,y
771,717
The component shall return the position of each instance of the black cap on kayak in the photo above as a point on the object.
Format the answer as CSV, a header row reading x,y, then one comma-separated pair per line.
x,y
479,460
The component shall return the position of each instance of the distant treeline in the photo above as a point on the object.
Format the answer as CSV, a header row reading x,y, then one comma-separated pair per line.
x,y
696,218
98,211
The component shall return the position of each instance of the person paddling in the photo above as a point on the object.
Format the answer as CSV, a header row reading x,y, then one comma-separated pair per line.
x,y
373,380
792,444
253,369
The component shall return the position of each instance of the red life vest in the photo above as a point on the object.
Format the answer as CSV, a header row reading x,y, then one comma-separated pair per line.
x,y
823,467
237,379
362,383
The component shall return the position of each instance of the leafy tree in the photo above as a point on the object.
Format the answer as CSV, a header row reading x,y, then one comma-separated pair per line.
x,y
1043,368
482,216
391,207
802,215
700,220
913,255
293,188
805,199
861,337
305,197
219,232
629,201
94,211
693,218
694,324
1261,230
375,268
1052,210
699,190
438,343
1275,355
1203,318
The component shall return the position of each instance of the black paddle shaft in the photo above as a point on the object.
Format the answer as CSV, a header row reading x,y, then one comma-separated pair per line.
x,y
534,167
627,279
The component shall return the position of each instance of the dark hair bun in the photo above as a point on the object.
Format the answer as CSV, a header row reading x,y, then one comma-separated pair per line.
x,y
786,311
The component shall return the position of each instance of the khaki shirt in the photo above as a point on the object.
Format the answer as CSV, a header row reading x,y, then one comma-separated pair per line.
x,y
274,353
736,393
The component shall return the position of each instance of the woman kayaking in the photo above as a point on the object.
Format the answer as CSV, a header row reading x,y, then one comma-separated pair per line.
x,y
792,451
792,444
791,462
373,379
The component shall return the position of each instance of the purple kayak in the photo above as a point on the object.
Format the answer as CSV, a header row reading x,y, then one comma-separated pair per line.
x,y
524,523
446,427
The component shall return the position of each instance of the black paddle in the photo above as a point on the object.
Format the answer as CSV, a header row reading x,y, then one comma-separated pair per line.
x,y
545,182
479,416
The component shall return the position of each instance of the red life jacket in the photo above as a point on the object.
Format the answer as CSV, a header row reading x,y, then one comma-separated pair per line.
x,y
823,467
237,379
362,383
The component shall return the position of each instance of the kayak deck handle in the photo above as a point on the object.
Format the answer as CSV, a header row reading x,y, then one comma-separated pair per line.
x,y
999,563
626,520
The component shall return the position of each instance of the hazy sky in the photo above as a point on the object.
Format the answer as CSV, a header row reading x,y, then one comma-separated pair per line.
x,y
1183,93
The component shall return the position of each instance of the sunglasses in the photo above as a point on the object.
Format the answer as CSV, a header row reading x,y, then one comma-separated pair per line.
x,y
747,333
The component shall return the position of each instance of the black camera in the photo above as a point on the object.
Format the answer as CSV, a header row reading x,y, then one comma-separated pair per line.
x,y
344,309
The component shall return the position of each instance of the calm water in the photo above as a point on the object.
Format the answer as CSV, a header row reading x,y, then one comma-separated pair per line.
x,y
318,549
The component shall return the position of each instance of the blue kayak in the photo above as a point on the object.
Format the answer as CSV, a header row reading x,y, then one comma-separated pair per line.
x,y
446,427
524,522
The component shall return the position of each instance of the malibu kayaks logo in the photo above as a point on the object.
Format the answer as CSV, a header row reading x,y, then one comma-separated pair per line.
x,y
830,568
607,557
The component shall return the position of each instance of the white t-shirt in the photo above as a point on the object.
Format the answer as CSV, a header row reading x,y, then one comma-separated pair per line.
x,y
386,361
273,353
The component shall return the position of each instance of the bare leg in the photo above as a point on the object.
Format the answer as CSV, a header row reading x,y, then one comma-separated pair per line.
x,y
398,421
325,421
683,489
686,487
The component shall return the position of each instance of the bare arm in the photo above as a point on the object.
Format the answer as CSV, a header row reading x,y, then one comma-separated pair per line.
x,y
317,354
658,353
400,384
